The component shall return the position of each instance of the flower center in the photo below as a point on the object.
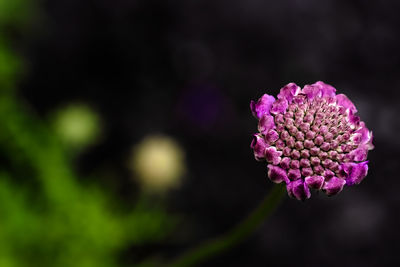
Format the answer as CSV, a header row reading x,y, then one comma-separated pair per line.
x,y
313,136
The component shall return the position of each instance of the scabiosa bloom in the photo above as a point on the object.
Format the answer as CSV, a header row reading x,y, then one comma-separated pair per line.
x,y
311,139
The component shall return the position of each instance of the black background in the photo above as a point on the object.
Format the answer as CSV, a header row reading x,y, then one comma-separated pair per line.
x,y
189,69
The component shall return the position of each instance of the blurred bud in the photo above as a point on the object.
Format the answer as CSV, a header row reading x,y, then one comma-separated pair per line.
x,y
77,126
158,163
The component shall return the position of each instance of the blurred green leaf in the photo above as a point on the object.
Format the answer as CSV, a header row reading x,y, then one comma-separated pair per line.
x,y
15,12
67,223
47,217
9,66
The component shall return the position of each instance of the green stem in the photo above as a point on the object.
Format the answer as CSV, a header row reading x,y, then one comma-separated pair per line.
x,y
237,234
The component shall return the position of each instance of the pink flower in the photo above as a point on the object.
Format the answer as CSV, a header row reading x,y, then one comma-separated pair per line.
x,y
311,139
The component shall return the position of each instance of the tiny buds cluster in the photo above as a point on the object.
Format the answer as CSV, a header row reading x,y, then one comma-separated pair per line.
x,y
311,139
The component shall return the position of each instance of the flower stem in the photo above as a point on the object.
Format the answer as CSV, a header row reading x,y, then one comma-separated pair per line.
x,y
214,246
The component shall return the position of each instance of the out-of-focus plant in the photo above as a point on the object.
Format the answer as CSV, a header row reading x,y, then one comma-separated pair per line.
x,y
9,65
47,216
15,13
158,163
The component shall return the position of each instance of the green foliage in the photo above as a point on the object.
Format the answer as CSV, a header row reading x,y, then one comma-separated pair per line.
x,y
15,12
9,66
47,216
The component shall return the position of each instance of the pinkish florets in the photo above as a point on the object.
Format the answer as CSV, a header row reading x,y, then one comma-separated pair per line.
x,y
311,138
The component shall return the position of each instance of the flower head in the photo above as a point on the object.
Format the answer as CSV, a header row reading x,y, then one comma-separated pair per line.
x,y
311,139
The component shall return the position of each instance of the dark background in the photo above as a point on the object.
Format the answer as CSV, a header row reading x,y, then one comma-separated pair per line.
x,y
189,69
